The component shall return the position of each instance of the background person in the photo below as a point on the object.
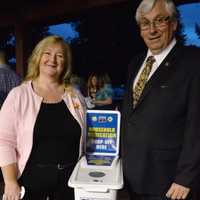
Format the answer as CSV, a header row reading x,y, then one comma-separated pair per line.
x,y
160,119
8,78
79,83
104,95
41,125
92,86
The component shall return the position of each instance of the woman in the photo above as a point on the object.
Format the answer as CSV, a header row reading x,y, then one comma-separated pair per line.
x,y
92,86
104,95
41,126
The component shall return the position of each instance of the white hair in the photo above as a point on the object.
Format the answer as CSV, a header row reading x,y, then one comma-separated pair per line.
x,y
147,5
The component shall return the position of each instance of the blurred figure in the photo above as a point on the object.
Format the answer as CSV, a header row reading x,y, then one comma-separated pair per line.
x,y
41,127
91,89
92,86
78,83
8,78
104,94
75,81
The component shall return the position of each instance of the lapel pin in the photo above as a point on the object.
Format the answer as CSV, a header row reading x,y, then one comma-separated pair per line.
x,y
167,64
76,105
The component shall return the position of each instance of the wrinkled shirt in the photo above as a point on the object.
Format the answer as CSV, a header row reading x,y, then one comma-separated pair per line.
x,y
8,80
105,92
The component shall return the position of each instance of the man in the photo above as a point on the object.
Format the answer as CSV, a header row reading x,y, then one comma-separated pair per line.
x,y
161,110
8,78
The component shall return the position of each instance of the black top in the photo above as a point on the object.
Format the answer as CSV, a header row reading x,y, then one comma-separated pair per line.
x,y
56,135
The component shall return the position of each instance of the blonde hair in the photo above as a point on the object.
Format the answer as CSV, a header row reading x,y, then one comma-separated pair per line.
x,y
34,60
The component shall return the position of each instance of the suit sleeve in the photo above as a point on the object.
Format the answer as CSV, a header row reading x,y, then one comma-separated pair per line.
x,y
189,163
126,104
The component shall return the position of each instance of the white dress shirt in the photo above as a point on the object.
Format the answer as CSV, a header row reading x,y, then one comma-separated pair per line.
x,y
158,57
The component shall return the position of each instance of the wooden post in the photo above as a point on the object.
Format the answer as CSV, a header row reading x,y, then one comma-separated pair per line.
x,y
20,49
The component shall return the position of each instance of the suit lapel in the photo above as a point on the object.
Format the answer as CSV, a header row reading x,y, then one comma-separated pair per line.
x,y
133,70
162,73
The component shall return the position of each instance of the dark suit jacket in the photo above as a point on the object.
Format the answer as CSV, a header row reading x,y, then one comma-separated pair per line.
x,y
161,136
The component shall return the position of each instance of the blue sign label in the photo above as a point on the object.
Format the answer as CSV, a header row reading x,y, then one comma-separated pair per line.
x,y
102,135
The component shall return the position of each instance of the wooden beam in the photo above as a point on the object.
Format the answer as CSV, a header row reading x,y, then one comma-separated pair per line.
x,y
38,12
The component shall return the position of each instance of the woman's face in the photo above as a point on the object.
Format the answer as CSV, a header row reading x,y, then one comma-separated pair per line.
x,y
52,61
94,81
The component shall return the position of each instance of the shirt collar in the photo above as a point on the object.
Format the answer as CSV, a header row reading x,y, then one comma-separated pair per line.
x,y
160,57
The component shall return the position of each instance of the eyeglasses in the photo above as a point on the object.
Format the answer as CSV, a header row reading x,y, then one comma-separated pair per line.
x,y
159,22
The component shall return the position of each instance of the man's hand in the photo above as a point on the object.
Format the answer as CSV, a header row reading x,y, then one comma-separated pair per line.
x,y
177,191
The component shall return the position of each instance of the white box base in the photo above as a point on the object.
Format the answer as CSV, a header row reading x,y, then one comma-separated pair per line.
x,y
81,194
87,187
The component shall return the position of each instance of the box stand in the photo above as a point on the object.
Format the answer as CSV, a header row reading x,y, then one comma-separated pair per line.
x,y
97,182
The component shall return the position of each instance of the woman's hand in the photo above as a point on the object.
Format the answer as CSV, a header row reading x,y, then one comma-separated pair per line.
x,y
11,191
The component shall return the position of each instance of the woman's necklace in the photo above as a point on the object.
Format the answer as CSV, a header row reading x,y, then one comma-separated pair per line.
x,y
50,95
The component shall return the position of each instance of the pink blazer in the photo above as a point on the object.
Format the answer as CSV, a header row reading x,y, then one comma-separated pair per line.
x,y
17,119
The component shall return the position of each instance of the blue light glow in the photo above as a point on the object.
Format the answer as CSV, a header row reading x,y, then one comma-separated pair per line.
x,y
190,15
65,30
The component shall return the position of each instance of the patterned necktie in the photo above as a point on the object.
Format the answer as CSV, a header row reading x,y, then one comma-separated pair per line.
x,y
137,91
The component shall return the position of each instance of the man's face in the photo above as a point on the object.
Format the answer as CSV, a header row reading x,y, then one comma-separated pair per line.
x,y
157,28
